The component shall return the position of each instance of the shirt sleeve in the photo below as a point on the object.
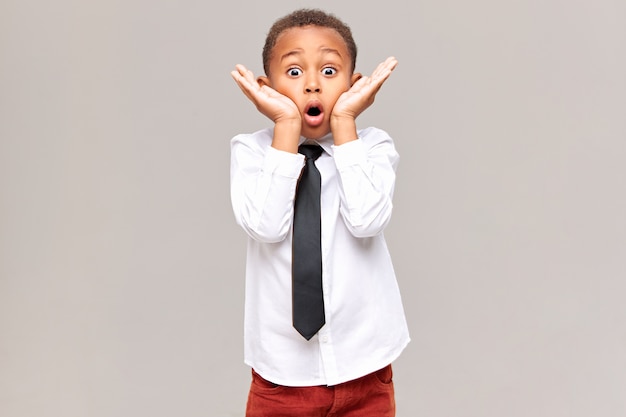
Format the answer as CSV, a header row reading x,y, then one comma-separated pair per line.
x,y
263,185
367,174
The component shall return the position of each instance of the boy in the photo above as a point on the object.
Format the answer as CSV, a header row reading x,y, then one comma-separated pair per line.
x,y
338,363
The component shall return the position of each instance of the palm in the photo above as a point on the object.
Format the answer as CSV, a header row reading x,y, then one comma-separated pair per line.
x,y
268,101
362,93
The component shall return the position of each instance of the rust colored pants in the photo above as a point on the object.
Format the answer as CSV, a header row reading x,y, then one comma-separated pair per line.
x,y
369,396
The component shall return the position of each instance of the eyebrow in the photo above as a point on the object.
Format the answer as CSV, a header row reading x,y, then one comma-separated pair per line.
x,y
330,51
291,53
299,51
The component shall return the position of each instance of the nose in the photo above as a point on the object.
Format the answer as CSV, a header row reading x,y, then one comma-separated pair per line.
x,y
312,84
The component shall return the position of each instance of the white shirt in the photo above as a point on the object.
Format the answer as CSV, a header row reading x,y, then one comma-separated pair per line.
x,y
365,326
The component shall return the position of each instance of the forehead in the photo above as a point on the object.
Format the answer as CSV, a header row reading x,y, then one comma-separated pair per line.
x,y
310,38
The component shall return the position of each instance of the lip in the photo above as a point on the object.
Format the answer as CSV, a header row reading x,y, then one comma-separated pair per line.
x,y
310,119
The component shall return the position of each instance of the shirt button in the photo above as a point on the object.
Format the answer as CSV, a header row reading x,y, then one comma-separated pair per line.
x,y
324,339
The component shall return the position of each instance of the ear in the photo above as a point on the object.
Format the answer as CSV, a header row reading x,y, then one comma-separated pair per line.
x,y
355,77
263,80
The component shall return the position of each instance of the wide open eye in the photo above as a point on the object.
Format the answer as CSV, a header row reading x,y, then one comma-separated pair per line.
x,y
294,72
329,71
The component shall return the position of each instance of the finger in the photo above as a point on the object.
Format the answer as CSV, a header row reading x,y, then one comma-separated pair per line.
x,y
384,68
240,79
245,77
392,62
240,69
381,76
249,89
239,75
245,73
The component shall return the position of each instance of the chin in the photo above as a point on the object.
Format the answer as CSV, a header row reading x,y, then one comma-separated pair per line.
x,y
315,132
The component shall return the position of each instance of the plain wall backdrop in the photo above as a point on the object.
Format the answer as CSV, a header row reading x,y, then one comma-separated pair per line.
x,y
121,266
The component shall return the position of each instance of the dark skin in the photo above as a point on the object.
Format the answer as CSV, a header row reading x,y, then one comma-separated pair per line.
x,y
311,89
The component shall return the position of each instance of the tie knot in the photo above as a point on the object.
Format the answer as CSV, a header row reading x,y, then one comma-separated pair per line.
x,y
310,151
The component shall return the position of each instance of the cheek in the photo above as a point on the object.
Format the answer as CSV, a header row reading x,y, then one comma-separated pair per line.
x,y
338,88
286,88
341,84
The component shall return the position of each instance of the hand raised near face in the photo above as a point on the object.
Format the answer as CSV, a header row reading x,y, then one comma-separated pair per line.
x,y
362,93
268,101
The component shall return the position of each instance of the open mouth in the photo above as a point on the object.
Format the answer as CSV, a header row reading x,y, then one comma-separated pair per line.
x,y
313,111
314,114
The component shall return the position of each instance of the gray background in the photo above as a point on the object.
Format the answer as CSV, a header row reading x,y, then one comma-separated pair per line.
x,y
121,267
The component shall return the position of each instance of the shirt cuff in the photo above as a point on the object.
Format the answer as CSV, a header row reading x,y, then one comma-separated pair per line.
x,y
350,153
283,163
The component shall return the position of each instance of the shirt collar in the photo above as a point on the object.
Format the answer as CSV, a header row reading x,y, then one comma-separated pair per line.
x,y
326,142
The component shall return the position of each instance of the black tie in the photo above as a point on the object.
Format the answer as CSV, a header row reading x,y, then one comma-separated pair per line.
x,y
308,300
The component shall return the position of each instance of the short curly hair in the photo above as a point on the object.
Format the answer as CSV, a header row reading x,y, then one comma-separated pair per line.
x,y
307,17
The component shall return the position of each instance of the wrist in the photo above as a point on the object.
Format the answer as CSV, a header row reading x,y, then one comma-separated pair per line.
x,y
343,129
287,135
